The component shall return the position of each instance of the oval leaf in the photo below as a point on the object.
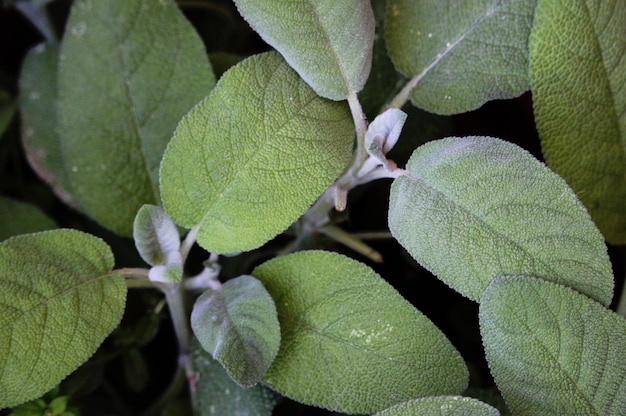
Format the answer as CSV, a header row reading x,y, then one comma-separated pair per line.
x,y
553,351
251,158
342,352
38,106
460,54
156,236
443,406
239,327
21,218
578,69
128,72
475,208
57,304
328,42
218,394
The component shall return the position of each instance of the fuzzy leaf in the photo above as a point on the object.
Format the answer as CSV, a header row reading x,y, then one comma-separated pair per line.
x,y
218,394
460,54
21,218
238,326
553,351
442,406
578,70
57,304
156,236
476,208
328,42
339,350
129,70
252,157
38,106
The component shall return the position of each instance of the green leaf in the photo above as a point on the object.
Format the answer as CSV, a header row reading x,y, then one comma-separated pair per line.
x,y
38,106
7,110
476,208
350,342
578,69
128,72
252,157
441,405
21,218
239,327
460,54
57,304
328,42
553,351
218,394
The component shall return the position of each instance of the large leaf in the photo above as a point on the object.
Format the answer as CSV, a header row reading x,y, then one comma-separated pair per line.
x,y
578,71
57,304
129,70
460,53
218,394
21,218
553,351
443,406
350,342
328,42
475,208
38,105
247,161
238,326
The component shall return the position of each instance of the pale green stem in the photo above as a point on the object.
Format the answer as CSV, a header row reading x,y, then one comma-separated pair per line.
x,y
188,242
348,240
403,96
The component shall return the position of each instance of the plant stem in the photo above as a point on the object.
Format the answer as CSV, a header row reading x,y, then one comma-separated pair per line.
x,y
403,96
348,240
188,242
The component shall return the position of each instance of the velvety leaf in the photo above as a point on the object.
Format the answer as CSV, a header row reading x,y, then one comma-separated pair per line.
x,y
21,218
443,406
7,110
252,157
460,54
129,70
350,342
475,208
239,327
38,106
578,70
553,351
57,304
218,394
328,42
156,236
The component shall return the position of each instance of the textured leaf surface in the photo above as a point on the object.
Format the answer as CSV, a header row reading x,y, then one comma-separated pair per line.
x,y
128,72
442,406
475,208
21,218
342,352
328,42
578,75
57,304
553,351
218,394
239,327
38,106
462,52
155,235
252,157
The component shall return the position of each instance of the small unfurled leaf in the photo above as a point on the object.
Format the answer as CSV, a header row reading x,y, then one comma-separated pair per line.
x,y
156,236
249,160
460,54
578,70
350,342
553,351
239,327
57,304
442,406
475,208
21,218
328,42
38,106
129,70
218,394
